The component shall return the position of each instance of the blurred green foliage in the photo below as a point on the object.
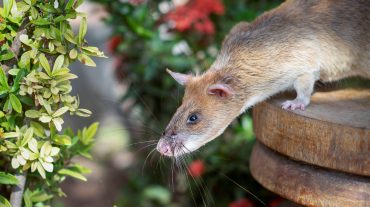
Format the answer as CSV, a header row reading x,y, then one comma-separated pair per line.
x,y
145,43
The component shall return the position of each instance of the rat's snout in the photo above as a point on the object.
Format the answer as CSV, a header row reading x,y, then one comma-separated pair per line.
x,y
164,147
168,143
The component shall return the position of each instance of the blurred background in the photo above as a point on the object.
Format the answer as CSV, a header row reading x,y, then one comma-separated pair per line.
x,y
133,98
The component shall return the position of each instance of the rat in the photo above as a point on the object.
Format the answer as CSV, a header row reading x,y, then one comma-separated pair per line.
x,y
289,47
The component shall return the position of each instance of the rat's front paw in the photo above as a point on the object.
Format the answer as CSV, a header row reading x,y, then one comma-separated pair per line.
x,y
293,105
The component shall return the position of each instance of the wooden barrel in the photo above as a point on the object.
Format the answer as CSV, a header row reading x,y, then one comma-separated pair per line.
x,y
330,141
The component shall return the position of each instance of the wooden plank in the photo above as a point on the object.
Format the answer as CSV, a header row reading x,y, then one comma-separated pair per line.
x,y
306,184
334,131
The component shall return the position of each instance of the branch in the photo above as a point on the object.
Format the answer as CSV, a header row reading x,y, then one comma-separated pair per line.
x,y
16,46
17,191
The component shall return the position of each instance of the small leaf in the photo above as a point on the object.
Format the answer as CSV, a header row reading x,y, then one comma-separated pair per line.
x,y
41,170
60,111
54,151
15,163
40,196
24,39
32,114
47,166
86,60
45,64
27,198
58,123
82,31
72,174
8,5
73,54
58,63
16,104
91,131
32,144
45,149
70,4
3,78
11,134
8,179
62,139
45,119
38,129
4,202
27,136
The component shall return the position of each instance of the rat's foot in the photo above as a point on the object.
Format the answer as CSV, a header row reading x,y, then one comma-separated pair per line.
x,y
294,104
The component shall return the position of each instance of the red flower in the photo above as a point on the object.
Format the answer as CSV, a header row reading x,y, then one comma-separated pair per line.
x,y
113,43
243,202
195,15
196,168
136,2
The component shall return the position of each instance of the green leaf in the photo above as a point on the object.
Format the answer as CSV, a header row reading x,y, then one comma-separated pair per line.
x,y
62,139
45,119
40,21
40,196
58,63
16,104
10,134
70,4
72,174
41,170
7,56
17,80
91,131
4,202
32,114
25,60
7,105
68,35
13,72
82,31
27,198
38,129
8,5
73,54
45,64
27,136
8,179
86,60
3,78
158,193
61,111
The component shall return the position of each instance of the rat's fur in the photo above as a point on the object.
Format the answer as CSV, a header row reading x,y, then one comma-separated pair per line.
x,y
291,46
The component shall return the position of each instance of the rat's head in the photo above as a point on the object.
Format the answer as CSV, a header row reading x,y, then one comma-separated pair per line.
x,y
206,110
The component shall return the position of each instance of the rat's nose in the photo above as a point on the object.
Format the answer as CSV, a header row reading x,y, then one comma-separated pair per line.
x,y
164,148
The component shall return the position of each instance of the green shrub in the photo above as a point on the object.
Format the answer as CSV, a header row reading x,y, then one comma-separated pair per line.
x,y
37,45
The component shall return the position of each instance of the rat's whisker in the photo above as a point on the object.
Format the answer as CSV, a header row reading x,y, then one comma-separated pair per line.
x,y
243,188
151,152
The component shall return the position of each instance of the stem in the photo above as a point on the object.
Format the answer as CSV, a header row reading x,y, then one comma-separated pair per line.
x,y
17,191
16,46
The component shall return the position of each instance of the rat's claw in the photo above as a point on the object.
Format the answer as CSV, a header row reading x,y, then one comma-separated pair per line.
x,y
293,105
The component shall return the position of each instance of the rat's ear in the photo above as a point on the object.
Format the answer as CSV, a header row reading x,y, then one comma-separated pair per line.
x,y
179,77
221,90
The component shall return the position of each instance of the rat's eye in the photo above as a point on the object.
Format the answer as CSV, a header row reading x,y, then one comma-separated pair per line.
x,y
192,119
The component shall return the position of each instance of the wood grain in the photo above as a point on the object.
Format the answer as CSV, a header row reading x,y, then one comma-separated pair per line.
x,y
306,184
333,132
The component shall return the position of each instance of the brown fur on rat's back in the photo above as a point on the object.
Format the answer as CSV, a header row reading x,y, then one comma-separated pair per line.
x,y
291,46
329,37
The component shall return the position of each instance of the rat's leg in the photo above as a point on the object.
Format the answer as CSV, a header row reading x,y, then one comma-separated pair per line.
x,y
304,87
